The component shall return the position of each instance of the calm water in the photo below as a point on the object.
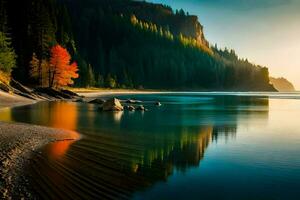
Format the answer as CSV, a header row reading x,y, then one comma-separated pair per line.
x,y
197,145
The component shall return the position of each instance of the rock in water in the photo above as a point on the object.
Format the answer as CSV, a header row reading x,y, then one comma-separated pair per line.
x,y
141,108
112,105
158,103
132,101
97,101
129,108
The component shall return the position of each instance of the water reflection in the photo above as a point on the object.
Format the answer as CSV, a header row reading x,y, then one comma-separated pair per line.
x,y
5,114
124,152
115,167
54,114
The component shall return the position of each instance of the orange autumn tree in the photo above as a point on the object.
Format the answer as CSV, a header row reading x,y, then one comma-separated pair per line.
x,y
61,72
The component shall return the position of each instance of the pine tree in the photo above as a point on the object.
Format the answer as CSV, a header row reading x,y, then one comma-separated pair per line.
x,y
7,54
110,81
100,81
3,16
43,33
91,77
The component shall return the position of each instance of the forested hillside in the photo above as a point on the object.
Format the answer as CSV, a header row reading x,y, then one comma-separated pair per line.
x,y
123,43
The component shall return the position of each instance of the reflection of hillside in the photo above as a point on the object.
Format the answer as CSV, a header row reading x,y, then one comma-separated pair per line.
x,y
184,152
114,166
227,132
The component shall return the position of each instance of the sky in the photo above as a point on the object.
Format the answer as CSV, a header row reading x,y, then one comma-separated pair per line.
x,y
267,32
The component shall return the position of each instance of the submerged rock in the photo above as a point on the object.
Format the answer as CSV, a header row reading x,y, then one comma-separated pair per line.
x,y
141,108
112,105
132,101
129,108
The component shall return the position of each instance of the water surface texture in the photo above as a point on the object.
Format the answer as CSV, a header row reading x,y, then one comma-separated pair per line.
x,y
196,145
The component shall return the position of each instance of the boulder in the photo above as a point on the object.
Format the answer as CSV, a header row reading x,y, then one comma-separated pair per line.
x,y
97,101
112,105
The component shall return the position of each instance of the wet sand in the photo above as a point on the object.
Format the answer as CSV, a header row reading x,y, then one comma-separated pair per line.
x,y
18,142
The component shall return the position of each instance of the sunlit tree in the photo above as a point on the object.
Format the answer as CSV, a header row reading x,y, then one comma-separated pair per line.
x,y
61,72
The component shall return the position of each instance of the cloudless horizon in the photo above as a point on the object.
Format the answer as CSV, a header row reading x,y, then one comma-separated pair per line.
x,y
264,31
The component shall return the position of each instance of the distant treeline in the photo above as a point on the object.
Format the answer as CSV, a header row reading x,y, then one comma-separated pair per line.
x,y
126,44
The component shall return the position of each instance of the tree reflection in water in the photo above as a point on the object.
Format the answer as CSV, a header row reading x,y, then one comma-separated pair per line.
x,y
116,167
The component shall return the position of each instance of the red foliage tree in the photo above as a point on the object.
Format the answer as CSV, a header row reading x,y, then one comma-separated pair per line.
x,y
61,72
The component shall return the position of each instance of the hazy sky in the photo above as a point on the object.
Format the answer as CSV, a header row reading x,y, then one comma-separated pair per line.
x,y
267,32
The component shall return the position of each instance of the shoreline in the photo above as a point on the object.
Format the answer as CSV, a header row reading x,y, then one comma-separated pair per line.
x,y
99,93
18,143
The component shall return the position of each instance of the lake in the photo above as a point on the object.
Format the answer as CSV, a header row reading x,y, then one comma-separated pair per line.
x,y
194,146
